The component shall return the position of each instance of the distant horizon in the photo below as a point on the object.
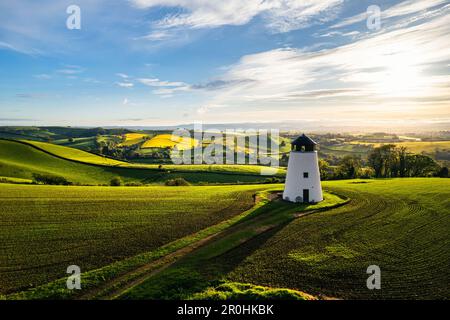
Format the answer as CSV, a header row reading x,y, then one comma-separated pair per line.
x,y
289,125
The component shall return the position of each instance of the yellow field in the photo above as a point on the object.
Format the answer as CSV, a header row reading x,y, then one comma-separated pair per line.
x,y
169,141
415,146
132,139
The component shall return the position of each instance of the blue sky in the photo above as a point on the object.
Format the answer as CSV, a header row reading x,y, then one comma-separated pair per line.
x,y
155,62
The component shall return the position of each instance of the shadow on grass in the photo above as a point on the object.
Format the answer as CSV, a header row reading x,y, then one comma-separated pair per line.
x,y
208,265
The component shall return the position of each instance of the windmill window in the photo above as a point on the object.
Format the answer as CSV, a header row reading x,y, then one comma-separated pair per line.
x,y
305,174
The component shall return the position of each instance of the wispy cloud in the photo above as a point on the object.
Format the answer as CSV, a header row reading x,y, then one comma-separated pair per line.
x,y
126,81
125,84
279,15
43,76
158,35
402,9
366,75
338,33
31,95
27,51
70,70
165,88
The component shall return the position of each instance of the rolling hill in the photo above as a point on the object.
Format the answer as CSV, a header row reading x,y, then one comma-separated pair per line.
x,y
22,159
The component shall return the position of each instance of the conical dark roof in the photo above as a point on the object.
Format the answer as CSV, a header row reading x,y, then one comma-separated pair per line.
x,y
303,140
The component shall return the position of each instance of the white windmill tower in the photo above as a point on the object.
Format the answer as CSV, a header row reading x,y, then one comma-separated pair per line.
x,y
303,175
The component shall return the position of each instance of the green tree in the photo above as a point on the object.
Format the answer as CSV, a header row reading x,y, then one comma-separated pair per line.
x,y
383,160
349,167
443,172
326,171
421,166
116,182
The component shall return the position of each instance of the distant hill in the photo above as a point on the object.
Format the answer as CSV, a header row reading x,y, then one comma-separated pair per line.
x,y
24,159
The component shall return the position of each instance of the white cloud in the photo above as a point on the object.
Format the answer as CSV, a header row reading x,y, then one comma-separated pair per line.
x,y
338,33
158,35
125,101
165,88
70,70
125,84
8,46
280,15
43,76
154,82
393,71
401,9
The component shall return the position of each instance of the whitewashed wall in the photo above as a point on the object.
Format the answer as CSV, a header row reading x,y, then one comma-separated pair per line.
x,y
300,162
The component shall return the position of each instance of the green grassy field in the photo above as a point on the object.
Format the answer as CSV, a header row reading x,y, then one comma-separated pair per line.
x,y
417,146
44,229
401,225
197,274
75,154
18,160
78,143
345,150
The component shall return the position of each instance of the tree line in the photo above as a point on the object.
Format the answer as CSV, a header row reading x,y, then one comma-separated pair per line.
x,y
387,161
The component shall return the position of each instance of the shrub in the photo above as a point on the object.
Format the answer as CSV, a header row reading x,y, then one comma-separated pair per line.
x,y
116,182
177,182
50,179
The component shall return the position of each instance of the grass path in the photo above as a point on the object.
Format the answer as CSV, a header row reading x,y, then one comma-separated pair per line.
x,y
265,218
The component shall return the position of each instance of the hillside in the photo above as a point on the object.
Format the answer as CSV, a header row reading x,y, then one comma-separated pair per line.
x,y
75,154
22,160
